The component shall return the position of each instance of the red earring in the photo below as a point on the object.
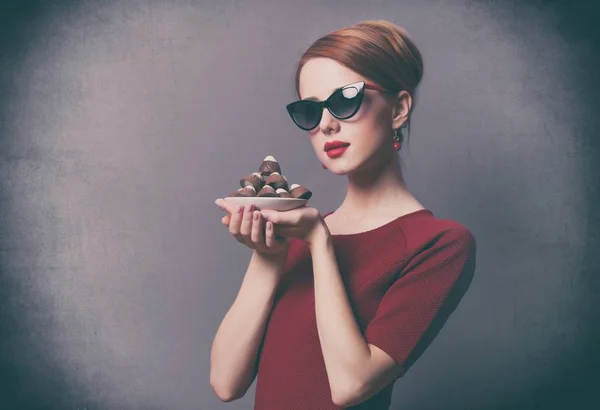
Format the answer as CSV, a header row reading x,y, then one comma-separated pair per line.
x,y
397,144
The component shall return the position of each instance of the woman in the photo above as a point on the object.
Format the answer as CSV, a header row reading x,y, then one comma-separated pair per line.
x,y
339,308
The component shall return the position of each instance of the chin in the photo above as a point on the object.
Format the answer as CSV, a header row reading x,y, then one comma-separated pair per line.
x,y
347,164
342,168
341,172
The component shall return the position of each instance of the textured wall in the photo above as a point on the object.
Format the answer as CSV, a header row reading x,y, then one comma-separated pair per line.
x,y
122,121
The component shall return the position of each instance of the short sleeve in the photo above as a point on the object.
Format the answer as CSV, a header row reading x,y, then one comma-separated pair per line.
x,y
419,302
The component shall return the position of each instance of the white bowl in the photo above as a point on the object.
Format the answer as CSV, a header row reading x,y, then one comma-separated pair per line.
x,y
277,204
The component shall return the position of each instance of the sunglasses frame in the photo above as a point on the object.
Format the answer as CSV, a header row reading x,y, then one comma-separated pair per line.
x,y
361,85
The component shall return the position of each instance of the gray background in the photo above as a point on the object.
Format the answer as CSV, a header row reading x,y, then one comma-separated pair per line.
x,y
121,122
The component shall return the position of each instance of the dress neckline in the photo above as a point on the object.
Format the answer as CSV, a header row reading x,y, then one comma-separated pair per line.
x,y
381,227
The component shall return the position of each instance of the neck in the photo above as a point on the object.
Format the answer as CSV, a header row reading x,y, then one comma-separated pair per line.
x,y
377,190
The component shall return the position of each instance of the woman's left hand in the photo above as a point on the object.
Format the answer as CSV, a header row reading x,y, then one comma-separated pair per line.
x,y
303,223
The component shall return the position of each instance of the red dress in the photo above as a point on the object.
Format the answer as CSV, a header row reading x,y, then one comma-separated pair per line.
x,y
403,280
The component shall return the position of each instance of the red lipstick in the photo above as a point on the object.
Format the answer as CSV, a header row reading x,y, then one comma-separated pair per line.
x,y
334,144
335,149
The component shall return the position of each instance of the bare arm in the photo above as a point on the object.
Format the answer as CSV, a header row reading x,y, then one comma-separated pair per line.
x,y
235,347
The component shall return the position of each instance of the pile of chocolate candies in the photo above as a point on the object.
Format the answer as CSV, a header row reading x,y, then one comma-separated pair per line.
x,y
269,182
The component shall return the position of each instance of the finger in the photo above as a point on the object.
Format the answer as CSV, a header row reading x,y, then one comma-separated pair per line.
x,y
269,235
246,224
256,236
218,202
270,240
225,206
225,220
236,219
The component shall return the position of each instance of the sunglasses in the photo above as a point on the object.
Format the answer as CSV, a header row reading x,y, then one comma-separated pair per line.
x,y
343,103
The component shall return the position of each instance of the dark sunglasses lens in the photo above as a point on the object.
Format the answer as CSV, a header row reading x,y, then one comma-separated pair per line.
x,y
305,114
345,102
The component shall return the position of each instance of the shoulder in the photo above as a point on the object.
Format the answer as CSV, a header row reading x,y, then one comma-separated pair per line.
x,y
453,231
439,253
433,232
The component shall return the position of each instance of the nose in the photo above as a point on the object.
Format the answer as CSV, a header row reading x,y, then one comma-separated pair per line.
x,y
328,122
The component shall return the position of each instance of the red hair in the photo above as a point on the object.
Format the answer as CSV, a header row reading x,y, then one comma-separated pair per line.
x,y
376,49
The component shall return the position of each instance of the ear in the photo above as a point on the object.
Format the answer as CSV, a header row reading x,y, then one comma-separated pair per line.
x,y
401,109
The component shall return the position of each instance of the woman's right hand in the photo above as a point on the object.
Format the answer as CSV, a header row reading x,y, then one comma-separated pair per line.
x,y
248,227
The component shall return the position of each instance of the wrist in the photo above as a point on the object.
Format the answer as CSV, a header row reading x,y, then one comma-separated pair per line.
x,y
274,260
268,266
320,236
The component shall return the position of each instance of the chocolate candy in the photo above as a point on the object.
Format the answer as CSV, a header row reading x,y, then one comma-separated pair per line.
x,y
245,192
298,191
283,193
269,182
254,180
267,191
268,166
277,181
